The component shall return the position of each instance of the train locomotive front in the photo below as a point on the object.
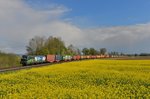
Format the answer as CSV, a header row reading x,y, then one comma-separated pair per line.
x,y
31,60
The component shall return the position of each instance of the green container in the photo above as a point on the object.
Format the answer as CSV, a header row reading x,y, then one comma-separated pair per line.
x,y
58,58
67,57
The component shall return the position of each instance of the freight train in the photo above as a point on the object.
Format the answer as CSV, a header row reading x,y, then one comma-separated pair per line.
x,y
39,59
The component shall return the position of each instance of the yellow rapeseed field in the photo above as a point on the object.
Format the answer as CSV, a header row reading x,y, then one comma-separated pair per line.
x,y
89,79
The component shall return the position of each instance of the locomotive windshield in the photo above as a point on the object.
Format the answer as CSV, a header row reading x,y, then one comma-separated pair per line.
x,y
24,56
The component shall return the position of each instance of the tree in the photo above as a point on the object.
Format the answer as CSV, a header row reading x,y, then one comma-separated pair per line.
x,y
42,46
72,50
114,53
144,54
35,45
78,52
85,51
92,51
103,51
55,46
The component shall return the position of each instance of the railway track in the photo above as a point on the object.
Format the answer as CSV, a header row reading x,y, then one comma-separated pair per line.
x,y
40,65
30,66
23,67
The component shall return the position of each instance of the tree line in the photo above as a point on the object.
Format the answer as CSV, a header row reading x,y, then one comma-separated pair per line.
x,y
92,51
54,45
51,45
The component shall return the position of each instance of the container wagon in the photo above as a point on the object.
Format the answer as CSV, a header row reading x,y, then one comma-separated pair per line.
x,y
50,58
58,58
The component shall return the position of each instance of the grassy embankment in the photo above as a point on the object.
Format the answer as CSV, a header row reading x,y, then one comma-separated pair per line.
x,y
9,60
94,79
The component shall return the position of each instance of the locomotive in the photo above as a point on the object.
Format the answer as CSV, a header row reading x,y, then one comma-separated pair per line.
x,y
39,59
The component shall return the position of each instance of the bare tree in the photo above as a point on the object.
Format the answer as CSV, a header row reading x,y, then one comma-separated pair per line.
x,y
73,50
103,51
35,45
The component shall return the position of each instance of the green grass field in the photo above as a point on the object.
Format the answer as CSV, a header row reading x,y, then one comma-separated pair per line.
x,y
9,60
90,79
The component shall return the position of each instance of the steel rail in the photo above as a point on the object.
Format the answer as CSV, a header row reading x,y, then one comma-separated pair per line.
x,y
23,67
30,66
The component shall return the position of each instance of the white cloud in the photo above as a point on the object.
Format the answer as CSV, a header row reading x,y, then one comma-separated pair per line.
x,y
123,38
19,22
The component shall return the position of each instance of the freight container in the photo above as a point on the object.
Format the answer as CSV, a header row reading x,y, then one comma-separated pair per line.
x,y
88,56
78,57
70,57
58,58
83,57
107,56
93,56
98,56
110,56
67,58
40,59
74,57
50,58
102,56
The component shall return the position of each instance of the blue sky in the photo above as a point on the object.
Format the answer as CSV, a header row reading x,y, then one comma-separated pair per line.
x,y
118,25
102,12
